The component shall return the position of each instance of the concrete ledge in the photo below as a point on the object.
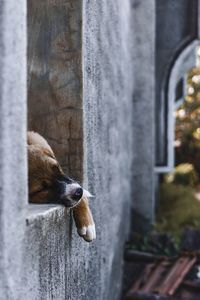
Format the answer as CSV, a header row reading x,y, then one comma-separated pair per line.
x,y
35,212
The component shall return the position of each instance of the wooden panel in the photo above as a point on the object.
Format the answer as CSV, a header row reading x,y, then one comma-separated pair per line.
x,y
55,78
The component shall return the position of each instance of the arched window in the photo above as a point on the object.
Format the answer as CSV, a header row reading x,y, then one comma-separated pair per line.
x,y
170,64
174,96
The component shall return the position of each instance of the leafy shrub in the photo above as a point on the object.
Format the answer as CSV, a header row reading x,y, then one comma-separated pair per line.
x,y
184,174
177,208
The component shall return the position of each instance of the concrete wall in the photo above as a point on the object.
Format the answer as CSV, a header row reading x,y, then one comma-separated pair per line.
x,y
108,115
13,179
41,255
143,109
62,265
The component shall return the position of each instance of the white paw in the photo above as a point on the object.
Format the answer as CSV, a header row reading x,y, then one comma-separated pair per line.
x,y
87,232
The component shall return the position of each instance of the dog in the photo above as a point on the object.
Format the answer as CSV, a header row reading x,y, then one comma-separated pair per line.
x,y
48,184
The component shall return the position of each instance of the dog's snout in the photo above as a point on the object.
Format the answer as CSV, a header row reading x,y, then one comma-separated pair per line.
x,y
69,193
78,193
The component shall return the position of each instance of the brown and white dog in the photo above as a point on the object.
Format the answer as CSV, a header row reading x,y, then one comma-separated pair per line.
x,y
48,184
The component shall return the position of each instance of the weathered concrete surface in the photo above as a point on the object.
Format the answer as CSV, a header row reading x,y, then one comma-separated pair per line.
x,y
13,181
144,109
108,77
58,264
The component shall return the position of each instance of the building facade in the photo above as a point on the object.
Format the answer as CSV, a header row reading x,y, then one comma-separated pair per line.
x,y
93,77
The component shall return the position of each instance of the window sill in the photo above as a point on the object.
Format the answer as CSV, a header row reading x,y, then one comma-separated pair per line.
x,y
44,211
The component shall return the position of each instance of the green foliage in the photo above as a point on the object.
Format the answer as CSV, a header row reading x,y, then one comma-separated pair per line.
x,y
194,83
155,243
187,130
178,208
184,174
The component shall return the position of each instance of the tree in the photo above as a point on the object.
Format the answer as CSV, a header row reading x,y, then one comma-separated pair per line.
x,y
187,129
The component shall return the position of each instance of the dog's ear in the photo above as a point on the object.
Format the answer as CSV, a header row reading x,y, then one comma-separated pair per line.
x,y
34,138
87,194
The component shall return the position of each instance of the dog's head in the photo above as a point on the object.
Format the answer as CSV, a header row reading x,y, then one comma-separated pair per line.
x,y
47,182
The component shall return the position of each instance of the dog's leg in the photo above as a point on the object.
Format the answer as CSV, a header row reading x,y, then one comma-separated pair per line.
x,y
84,221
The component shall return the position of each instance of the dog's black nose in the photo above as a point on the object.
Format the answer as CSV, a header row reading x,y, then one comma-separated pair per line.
x,y
78,193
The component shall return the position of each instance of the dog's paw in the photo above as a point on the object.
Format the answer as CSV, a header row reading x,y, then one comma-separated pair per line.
x,y
84,221
87,232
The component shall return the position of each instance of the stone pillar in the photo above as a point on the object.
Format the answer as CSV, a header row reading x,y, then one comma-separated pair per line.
x,y
143,113
12,144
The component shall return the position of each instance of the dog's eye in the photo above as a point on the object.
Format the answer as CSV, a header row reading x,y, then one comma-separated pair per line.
x,y
42,189
56,169
68,180
65,179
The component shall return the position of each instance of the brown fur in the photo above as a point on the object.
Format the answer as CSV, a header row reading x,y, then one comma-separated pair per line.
x,y
82,214
43,167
